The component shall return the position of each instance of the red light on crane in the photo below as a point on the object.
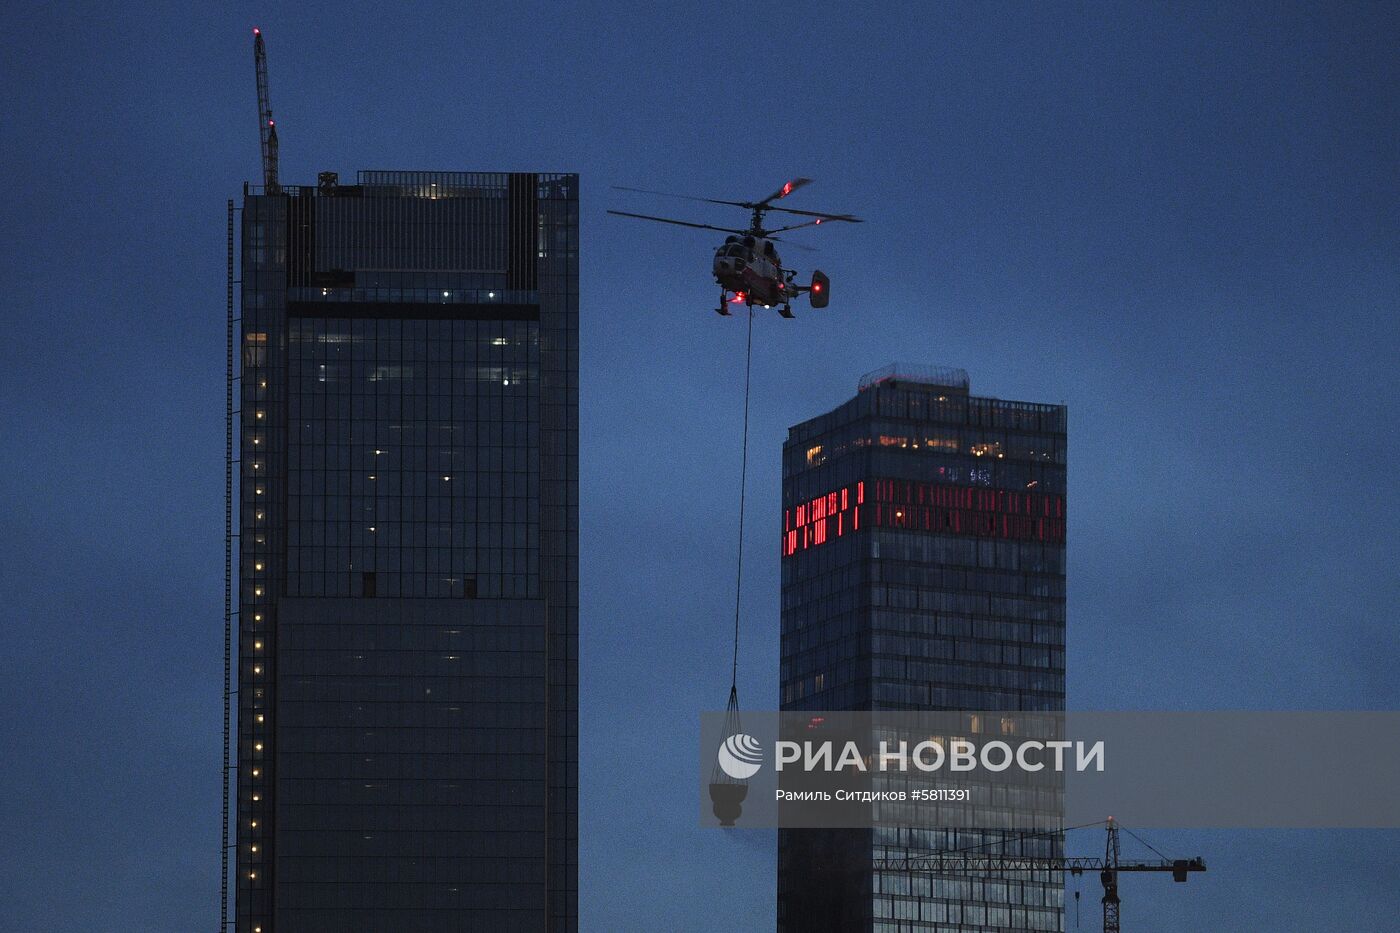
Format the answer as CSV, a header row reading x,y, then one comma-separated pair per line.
x,y
257,31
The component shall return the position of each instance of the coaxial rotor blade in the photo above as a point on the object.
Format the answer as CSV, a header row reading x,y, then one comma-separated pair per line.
x,y
679,223
785,190
848,218
810,223
683,197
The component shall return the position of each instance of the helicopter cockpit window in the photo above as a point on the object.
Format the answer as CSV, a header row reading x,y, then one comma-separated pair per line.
x,y
748,241
768,248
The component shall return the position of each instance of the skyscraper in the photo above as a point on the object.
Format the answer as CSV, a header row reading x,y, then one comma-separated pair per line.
x,y
923,568
407,741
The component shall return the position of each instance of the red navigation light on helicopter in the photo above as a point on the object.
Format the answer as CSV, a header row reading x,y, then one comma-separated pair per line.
x,y
738,299
787,189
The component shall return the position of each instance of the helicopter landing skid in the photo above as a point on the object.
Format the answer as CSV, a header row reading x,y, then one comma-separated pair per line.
x,y
723,309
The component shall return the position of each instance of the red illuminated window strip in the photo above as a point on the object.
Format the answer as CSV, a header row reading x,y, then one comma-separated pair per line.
x,y
816,521
936,508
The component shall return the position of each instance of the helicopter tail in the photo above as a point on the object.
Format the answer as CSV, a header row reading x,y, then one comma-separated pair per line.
x,y
820,290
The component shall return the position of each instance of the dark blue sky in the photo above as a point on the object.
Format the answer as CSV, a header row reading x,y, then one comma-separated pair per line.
x,y
1183,222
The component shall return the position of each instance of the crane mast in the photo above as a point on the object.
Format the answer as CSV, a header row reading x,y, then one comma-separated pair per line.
x,y
267,128
1109,877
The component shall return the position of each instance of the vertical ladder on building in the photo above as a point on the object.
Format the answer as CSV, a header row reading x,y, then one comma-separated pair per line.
x,y
228,576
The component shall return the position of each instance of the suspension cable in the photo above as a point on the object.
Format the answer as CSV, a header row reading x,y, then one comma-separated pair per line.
x,y
743,483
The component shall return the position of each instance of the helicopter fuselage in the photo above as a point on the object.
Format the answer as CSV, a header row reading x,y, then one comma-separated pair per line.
x,y
747,265
750,266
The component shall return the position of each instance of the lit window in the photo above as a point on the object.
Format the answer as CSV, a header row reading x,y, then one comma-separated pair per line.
x,y
260,717
257,746
257,566
257,669
257,645
258,416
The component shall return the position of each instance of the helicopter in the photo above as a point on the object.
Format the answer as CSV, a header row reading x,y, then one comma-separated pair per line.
x,y
747,265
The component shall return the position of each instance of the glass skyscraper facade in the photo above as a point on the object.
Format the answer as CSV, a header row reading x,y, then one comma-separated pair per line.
x,y
407,738
923,568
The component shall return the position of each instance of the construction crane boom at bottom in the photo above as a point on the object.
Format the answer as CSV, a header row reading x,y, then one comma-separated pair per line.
x,y
1108,867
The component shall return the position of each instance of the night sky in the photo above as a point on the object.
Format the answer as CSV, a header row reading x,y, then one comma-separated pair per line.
x,y
1183,222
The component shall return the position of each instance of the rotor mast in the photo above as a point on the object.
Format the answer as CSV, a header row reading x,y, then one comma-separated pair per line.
x,y
267,128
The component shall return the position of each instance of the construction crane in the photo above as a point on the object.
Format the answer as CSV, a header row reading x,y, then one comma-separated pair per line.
x,y
267,128
966,862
